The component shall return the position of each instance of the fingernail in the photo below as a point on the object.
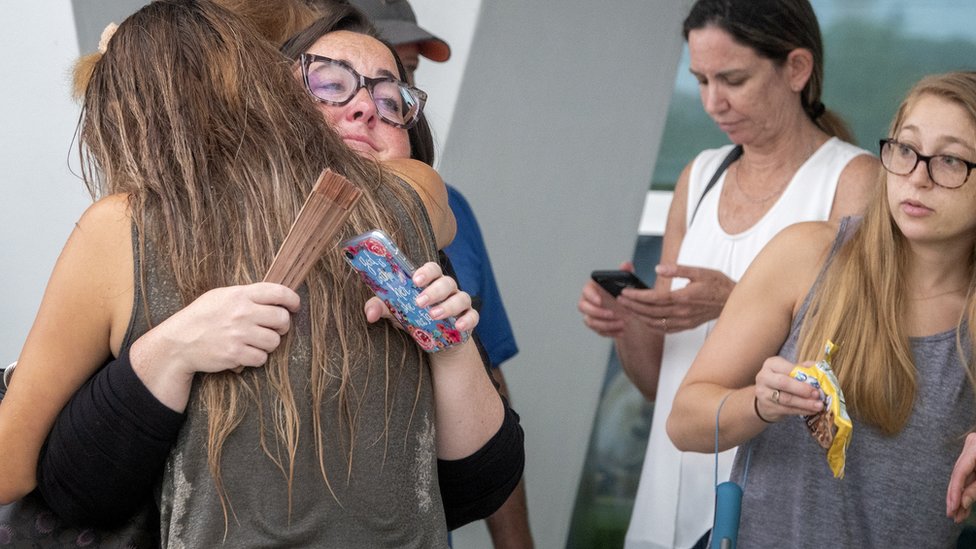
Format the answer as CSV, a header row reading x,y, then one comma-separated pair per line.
x,y
966,502
422,300
419,279
436,312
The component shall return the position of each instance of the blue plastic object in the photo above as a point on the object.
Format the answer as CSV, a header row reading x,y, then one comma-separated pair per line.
x,y
728,504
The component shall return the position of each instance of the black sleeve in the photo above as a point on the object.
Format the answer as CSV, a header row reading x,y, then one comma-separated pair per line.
x,y
107,448
474,487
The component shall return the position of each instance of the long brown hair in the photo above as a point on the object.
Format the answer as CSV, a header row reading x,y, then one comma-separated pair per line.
x,y
862,297
202,124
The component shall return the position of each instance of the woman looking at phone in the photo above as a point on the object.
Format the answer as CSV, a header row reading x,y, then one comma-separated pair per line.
x,y
759,66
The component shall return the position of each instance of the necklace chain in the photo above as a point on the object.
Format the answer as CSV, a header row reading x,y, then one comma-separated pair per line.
x,y
762,200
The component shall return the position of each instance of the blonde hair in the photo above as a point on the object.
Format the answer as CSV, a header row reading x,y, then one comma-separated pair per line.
x,y
862,300
202,124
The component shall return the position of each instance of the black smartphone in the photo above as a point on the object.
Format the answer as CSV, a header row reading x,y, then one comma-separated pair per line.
x,y
615,281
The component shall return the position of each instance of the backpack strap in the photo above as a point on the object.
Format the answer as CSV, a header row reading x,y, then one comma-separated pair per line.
x,y
733,155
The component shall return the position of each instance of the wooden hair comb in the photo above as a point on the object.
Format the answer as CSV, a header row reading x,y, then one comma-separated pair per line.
x,y
325,210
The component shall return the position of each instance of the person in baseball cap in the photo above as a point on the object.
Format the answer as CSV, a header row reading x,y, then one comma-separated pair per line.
x,y
397,24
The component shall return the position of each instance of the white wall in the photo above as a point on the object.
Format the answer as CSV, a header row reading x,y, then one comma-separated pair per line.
x,y
554,135
41,197
454,22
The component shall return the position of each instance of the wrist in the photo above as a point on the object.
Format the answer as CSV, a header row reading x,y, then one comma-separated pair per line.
x,y
163,374
755,406
457,355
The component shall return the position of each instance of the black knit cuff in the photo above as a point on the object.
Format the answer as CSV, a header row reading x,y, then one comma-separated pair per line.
x,y
476,486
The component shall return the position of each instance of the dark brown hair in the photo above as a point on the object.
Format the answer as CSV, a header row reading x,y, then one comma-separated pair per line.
x,y
342,16
773,29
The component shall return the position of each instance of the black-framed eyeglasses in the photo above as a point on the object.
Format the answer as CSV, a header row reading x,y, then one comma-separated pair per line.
x,y
944,170
336,83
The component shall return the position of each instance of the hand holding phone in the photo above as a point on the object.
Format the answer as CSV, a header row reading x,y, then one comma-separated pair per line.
x,y
614,281
384,268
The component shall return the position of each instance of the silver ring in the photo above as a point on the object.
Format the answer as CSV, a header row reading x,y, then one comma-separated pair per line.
x,y
775,396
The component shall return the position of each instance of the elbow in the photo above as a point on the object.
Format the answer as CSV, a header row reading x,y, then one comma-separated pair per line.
x,y
680,426
11,490
675,432
649,391
18,478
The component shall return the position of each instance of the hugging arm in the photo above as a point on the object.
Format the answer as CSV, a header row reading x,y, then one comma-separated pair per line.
x,y
480,447
476,486
433,194
114,423
119,422
78,323
125,419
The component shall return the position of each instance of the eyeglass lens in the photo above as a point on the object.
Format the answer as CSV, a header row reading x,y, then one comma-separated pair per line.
x,y
947,171
332,82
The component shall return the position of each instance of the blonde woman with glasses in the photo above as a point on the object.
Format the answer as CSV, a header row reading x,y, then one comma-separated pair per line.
x,y
896,291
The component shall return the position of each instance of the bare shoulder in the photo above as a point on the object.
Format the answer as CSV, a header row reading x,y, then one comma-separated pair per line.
x,y
676,223
107,216
679,201
433,192
414,172
95,269
805,242
795,255
856,185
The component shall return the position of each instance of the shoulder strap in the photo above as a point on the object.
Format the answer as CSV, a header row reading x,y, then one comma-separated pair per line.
x,y
733,155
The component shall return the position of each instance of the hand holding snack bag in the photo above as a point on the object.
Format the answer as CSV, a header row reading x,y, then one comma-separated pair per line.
x,y
831,427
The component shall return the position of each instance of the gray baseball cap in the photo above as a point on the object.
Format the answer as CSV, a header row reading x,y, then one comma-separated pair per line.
x,y
397,24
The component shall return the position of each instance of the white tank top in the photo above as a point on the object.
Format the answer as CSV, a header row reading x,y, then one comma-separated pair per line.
x,y
675,498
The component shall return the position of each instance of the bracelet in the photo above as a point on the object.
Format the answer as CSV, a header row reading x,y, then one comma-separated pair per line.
x,y
755,406
8,372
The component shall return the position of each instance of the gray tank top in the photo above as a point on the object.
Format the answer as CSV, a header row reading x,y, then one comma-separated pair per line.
x,y
388,497
894,489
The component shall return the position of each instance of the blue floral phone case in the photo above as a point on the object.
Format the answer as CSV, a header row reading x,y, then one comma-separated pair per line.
x,y
388,273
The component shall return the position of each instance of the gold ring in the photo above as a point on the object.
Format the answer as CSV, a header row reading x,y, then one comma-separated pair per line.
x,y
775,396
664,323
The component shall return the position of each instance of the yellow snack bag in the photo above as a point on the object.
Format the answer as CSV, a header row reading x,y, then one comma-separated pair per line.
x,y
832,427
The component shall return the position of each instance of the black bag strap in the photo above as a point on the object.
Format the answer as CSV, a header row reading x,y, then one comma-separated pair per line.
x,y
733,155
